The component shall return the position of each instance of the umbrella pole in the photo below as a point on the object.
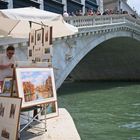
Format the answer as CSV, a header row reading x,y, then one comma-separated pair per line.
x,y
13,27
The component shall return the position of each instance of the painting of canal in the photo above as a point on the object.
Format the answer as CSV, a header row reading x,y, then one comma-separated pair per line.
x,y
35,85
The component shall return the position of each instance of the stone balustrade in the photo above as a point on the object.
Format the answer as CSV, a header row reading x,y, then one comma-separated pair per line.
x,y
84,21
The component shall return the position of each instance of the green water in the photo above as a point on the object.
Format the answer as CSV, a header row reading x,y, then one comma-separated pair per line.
x,y
103,110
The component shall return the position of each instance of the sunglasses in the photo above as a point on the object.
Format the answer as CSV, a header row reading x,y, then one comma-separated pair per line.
x,y
11,53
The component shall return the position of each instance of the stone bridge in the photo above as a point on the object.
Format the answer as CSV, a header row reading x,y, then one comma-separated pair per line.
x,y
106,47
75,54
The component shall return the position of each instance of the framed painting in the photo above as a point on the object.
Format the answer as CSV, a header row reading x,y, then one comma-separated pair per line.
x,y
32,38
46,36
51,110
35,85
30,54
38,54
37,59
50,36
7,86
47,50
9,117
38,50
38,37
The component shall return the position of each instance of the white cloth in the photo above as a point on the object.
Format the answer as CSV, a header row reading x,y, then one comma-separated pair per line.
x,y
4,60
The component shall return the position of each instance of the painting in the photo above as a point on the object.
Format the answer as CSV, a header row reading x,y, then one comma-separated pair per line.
x,y
7,86
38,54
9,117
38,36
32,38
35,85
47,54
46,36
51,110
30,54
51,33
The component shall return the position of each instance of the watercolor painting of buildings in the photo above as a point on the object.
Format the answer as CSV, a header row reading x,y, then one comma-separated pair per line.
x,y
35,85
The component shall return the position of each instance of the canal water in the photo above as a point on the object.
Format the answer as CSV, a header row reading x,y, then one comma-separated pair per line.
x,y
103,110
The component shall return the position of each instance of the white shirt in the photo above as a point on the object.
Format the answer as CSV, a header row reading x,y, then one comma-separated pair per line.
x,y
4,60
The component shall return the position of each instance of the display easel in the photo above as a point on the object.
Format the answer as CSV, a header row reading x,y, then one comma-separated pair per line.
x,y
31,121
39,55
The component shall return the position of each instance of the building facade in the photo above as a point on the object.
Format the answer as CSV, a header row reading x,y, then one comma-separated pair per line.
x,y
56,6
118,5
59,6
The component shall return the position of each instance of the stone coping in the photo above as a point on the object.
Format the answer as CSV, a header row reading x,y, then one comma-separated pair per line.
x,y
58,128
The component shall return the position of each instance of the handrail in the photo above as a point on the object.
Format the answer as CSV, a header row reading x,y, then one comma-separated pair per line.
x,y
84,21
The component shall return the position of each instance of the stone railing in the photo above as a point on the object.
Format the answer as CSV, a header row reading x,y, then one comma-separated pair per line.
x,y
86,21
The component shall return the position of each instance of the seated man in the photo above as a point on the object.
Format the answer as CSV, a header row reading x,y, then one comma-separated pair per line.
x,y
7,62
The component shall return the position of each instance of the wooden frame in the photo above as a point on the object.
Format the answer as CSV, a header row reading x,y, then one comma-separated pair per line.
x,y
7,86
38,37
35,86
9,117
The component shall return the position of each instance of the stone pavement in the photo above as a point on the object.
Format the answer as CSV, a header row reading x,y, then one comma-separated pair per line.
x,y
58,128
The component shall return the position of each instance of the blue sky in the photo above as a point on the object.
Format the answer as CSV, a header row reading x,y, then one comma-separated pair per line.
x,y
36,77
135,4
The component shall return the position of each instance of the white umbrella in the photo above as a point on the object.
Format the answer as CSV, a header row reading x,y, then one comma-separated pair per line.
x,y
16,22
5,27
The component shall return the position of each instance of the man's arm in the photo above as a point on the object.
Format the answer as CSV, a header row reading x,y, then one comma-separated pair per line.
x,y
6,66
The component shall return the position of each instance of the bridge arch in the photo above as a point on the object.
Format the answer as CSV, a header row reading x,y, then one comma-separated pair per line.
x,y
76,48
114,59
